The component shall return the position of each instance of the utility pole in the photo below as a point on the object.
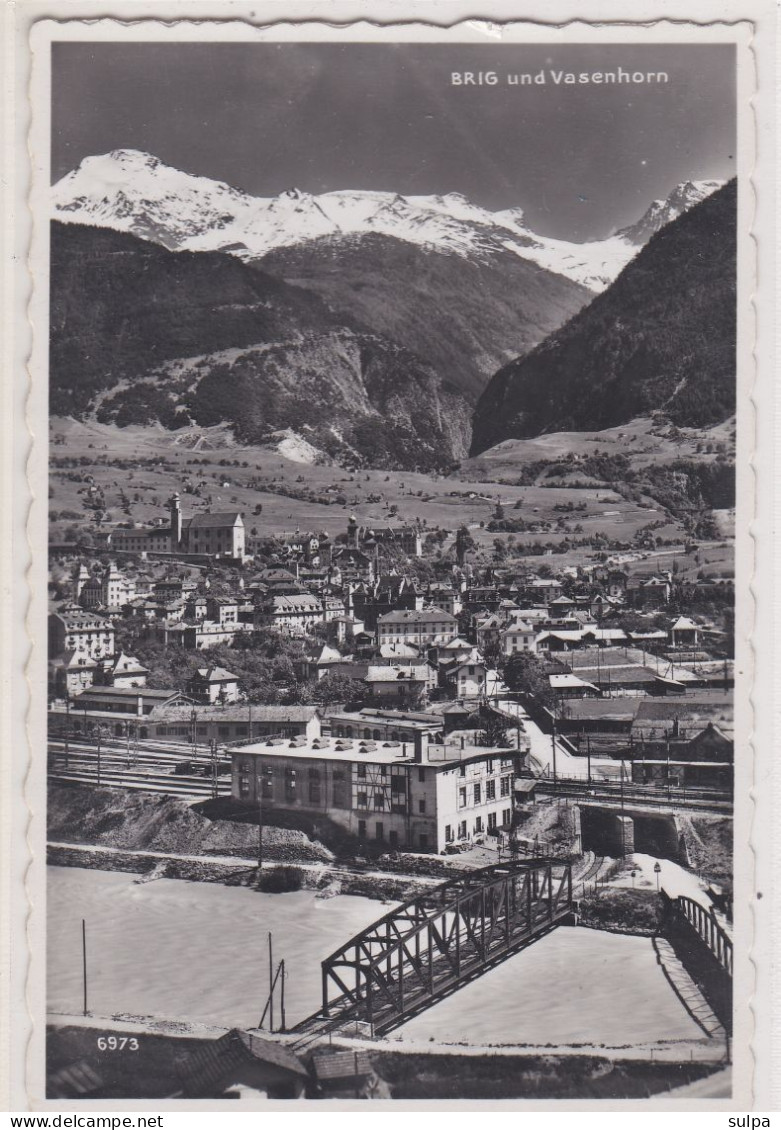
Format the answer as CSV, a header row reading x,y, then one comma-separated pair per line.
x,y
553,742
67,724
282,998
194,732
622,785
100,731
270,983
260,833
588,757
84,961
213,748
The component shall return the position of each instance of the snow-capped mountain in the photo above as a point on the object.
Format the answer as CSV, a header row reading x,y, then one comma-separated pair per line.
x,y
661,212
135,192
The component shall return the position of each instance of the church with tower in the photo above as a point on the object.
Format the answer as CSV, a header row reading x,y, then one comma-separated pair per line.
x,y
206,535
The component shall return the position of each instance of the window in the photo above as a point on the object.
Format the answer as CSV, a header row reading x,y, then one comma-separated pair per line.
x,y
362,771
421,775
461,798
421,806
379,830
489,765
379,800
491,821
505,786
490,790
267,782
398,784
462,771
478,823
462,830
290,785
314,786
362,828
478,794
448,833
507,815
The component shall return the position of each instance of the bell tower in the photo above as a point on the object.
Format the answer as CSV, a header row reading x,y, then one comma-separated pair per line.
x,y
175,510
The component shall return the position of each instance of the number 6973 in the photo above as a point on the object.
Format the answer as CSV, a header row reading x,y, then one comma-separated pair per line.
x,y
117,1043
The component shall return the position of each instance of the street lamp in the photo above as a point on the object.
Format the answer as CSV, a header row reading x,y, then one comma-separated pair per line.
x,y
657,872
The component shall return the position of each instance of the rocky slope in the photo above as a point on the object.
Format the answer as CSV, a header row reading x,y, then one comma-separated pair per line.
x,y
466,319
660,338
142,335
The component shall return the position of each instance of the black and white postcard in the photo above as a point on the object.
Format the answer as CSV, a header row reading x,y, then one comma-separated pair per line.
x,y
389,728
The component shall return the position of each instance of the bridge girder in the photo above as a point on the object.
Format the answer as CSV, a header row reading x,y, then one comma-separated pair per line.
x,y
431,945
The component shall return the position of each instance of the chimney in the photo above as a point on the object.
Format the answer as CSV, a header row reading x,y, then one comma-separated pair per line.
x,y
420,746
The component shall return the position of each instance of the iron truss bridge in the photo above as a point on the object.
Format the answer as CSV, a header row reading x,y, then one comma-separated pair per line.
x,y
428,948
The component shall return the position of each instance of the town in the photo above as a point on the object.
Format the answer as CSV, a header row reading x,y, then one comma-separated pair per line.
x,y
323,679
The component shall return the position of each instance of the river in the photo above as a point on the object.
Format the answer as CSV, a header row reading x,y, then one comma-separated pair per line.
x,y
198,951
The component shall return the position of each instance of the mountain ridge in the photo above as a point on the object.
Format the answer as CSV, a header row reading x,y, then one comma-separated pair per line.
x,y
138,333
137,193
660,338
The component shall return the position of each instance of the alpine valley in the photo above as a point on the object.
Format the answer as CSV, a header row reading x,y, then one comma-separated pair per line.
x,y
368,324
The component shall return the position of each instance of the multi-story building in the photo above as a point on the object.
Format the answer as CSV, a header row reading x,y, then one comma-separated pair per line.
x,y
421,796
109,589
295,614
424,627
74,629
407,684
214,684
203,535
519,636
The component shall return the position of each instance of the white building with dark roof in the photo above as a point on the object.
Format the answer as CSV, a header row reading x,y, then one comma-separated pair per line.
x,y
418,795
424,627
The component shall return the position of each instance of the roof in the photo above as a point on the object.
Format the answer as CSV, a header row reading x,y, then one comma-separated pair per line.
x,y
518,626
683,622
685,709
341,1065
525,784
303,602
394,673
399,651
217,675
213,521
442,755
401,718
128,692
565,682
411,615
214,1065
238,712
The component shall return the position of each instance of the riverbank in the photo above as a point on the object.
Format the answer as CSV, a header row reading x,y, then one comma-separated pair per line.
x,y
239,872
425,1072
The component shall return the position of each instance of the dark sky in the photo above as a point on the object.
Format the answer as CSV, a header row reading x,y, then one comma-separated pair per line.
x,y
581,160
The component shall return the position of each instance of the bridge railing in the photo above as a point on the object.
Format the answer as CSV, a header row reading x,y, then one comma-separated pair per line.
x,y
709,929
